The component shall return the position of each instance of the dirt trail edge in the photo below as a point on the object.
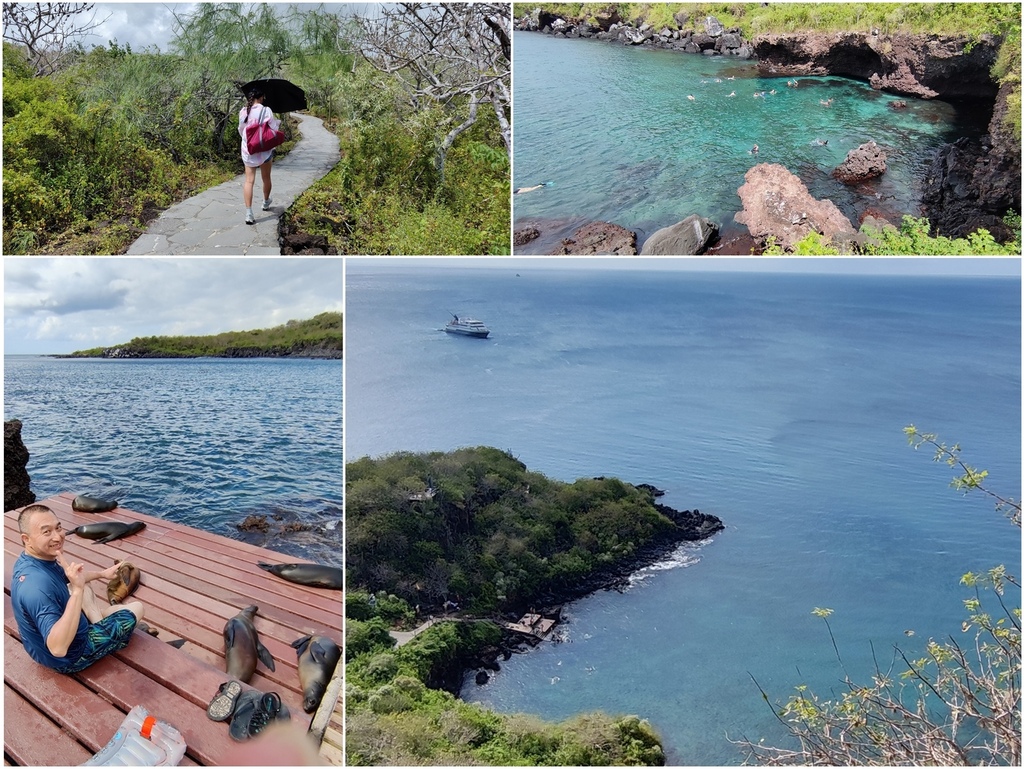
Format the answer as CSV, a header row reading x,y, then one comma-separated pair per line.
x,y
213,222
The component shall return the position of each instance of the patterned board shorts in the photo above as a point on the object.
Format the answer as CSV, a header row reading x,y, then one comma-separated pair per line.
x,y
105,637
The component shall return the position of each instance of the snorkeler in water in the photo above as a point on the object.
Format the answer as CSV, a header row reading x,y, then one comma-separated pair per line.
x,y
519,190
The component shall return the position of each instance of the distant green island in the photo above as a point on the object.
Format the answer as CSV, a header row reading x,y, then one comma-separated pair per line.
x,y
319,337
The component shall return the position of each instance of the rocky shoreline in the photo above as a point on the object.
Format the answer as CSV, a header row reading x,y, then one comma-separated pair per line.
x,y
327,352
971,182
691,526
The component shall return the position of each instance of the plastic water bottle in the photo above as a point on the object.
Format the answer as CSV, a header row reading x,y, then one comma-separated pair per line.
x,y
141,740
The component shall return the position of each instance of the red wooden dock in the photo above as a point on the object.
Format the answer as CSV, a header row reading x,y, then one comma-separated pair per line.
x,y
192,583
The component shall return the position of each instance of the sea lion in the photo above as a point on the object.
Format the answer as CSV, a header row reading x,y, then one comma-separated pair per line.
x,y
85,504
242,646
311,574
318,657
107,531
124,583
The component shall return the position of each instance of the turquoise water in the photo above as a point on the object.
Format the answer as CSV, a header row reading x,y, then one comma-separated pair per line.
x,y
776,402
613,128
202,442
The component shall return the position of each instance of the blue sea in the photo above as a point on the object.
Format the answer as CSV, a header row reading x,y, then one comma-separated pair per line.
x,y
774,401
204,442
611,126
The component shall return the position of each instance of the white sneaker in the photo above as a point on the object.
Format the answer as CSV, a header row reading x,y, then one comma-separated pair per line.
x,y
266,204
249,218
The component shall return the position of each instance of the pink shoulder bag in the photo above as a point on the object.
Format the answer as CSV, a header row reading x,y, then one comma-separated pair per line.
x,y
260,137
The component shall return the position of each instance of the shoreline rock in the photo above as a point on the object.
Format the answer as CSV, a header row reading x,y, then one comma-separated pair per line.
x,y
972,183
598,238
689,237
777,204
17,484
864,162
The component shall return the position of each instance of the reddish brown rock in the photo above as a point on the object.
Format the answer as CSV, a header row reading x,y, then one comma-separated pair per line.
x,y
864,162
777,204
599,238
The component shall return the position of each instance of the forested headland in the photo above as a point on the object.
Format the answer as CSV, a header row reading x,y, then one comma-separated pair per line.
x,y
319,337
97,142
475,528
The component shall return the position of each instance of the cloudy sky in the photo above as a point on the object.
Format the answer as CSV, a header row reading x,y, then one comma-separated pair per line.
x,y
63,305
152,24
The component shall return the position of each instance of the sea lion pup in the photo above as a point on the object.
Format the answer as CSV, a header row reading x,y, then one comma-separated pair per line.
x,y
242,646
84,504
124,583
310,574
318,657
107,531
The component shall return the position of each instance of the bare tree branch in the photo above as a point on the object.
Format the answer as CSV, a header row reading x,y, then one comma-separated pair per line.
x,y
455,56
49,32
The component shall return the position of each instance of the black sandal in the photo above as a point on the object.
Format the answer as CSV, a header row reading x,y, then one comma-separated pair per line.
x,y
223,703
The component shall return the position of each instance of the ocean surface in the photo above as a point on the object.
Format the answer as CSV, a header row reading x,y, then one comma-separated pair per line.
x,y
203,442
613,128
774,401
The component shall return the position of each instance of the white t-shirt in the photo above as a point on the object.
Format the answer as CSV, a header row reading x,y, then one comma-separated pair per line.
x,y
258,114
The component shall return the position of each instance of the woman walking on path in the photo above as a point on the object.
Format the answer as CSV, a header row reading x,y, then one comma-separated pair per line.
x,y
254,113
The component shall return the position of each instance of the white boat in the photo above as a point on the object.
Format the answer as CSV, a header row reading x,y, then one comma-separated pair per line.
x,y
467,327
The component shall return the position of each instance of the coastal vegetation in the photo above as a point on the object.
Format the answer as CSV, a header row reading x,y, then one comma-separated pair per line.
x,y
952,704
475,526
968,19
476,529
423,119
318,337
912,238
97,142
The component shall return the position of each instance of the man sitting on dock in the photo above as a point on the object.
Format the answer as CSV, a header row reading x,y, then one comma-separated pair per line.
x,y
62,624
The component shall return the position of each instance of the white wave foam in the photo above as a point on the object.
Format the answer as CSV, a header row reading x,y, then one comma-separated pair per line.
x,y
684,556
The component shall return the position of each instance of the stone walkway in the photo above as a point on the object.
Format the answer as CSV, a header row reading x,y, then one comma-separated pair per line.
x,y
213,222
402,637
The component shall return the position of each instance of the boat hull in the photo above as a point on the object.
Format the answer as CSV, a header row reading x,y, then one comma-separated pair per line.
x,y
468,332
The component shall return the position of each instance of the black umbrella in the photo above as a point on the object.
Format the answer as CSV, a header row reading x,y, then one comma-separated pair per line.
x,y
281,95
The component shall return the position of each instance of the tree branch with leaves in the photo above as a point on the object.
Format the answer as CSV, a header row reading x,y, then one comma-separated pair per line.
x,y
956,704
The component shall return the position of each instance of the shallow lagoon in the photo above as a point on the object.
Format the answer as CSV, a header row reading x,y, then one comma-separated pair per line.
x,y
615,132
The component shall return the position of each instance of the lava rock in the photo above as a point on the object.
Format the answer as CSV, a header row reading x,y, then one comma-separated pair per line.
x,y
523,236
686,238
599,238
865,162
16,480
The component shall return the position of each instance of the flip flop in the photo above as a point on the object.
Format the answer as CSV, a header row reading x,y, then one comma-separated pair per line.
x,y
223,703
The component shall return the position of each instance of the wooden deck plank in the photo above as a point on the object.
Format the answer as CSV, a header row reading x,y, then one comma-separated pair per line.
x,y
183,601
70,704
32,740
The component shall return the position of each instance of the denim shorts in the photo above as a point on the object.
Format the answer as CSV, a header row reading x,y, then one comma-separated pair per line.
x,y
105,637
